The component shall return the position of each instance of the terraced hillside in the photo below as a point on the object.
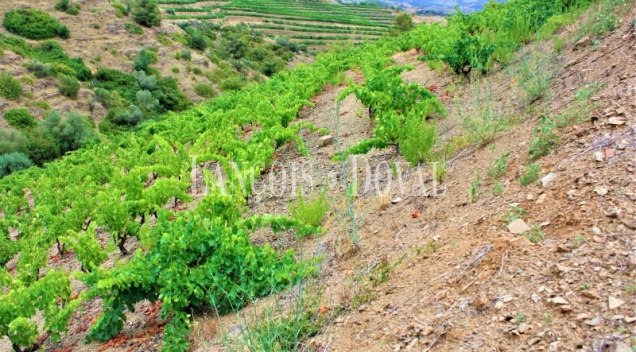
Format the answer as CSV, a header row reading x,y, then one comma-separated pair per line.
x,y
315,24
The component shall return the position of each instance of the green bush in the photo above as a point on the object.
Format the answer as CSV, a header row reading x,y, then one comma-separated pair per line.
x,y
71,132
120,10
234,83
42,148
417,140
13,162
204,90
144,59
62,5
125,117
175,69
146,13
310,210
73,10
40,69
48,52
31,23
271,66
59,68
10,88
68,86
63,32
12,141
42,104
185,55
109,128
28,79
133,29
20,119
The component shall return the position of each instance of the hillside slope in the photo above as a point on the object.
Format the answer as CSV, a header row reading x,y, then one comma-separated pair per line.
x,y
524,240
445,273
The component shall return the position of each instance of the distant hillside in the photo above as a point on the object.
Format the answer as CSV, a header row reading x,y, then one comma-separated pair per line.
x,y
432,6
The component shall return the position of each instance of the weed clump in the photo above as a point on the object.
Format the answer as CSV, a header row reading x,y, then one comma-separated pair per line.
x,y
309,210
531,175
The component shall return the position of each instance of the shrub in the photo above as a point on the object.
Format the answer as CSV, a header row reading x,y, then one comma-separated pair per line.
x,y
63,32
71,132
133,29
73,10
175,69
62,5
272,65
39,69
42,104
31,23
402,23
417,140
13,162
28,79
108,128
185,54
125,117
234,83
10,88
310,210
102,96
60,68
146,13
144,59
144,81
68,86
20,119
12,141
120,10
534,74
42,148
204,90
146,101
483,118
169,95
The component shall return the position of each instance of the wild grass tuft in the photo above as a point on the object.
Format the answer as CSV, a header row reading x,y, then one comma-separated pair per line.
x,y
311,209
534,74
530,175
545,139
499,168
482,117
281,328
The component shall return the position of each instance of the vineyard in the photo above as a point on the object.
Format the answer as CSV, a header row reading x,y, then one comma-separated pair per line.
x,y
327,22
195,251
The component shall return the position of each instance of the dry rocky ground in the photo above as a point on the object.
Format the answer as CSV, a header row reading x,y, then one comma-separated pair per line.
x,y
437,271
